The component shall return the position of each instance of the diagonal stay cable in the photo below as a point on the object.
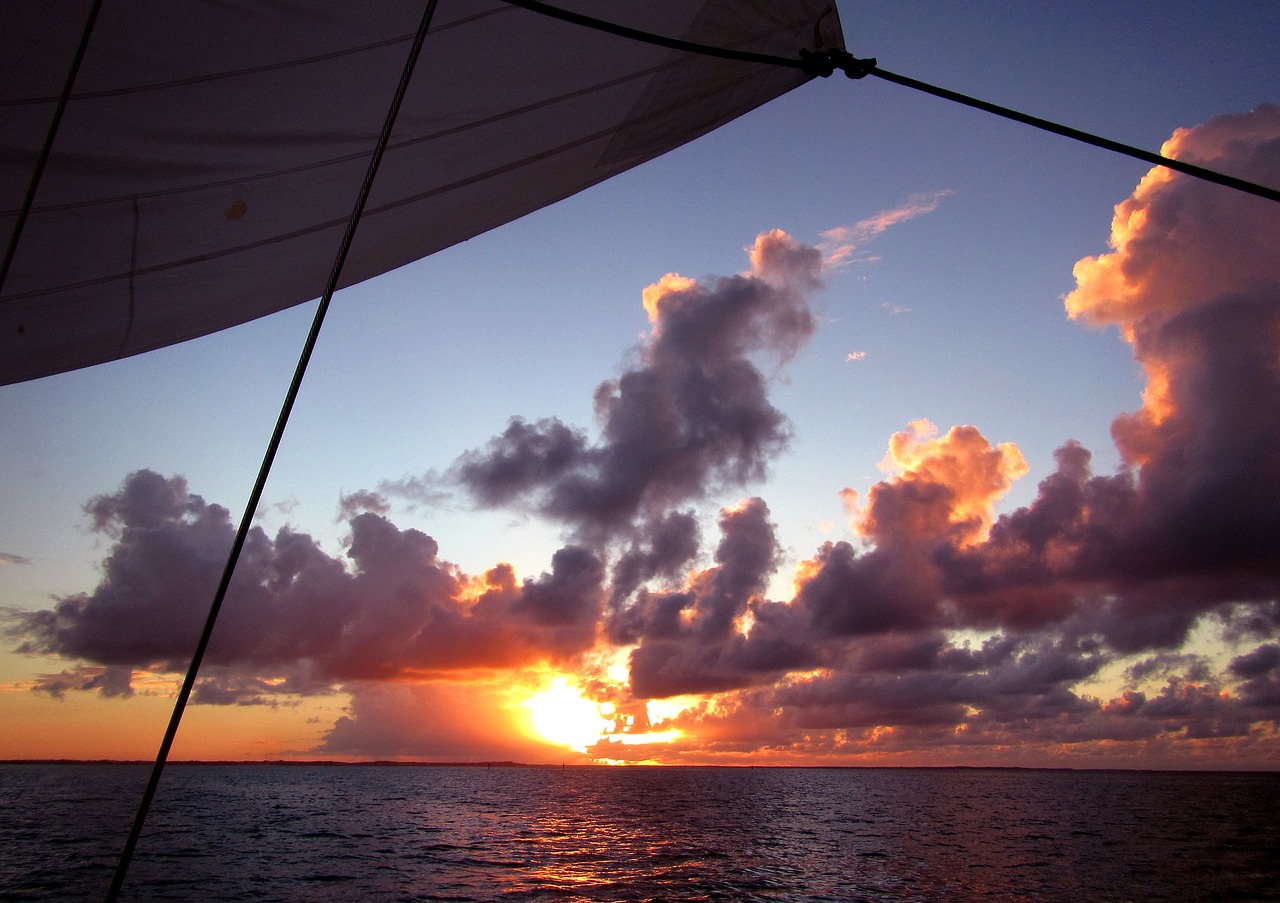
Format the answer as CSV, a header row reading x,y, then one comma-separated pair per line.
x,y
1066,131
825,62
47,148
268,458
635,34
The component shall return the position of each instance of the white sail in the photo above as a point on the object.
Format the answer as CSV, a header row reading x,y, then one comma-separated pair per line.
x,y
210,153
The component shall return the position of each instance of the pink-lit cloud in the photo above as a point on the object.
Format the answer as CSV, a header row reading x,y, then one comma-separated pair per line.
x,y
842,245
938,631
393,608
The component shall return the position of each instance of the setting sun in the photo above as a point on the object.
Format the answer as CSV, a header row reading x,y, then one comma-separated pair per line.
x,y
561,715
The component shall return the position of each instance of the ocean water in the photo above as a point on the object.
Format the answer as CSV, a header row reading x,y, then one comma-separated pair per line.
x,y
400,833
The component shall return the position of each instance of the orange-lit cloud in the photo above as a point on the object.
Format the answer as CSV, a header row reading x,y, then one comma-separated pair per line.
x,y
1179,243
1184,254
940,634
481,719
654,295
943,485
297,614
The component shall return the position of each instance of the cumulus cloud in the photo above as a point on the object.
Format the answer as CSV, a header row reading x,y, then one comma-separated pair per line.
x,y
938,631
1097,568
944,485
1193,282
694,639
352,503
691,418
1259,672
113,681
296,614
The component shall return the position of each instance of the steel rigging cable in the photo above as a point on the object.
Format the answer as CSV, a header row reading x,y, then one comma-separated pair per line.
x,y
47,148
826,62
255,496
818,62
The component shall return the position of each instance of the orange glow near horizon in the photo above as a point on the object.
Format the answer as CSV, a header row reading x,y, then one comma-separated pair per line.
x,y
560,714
556,715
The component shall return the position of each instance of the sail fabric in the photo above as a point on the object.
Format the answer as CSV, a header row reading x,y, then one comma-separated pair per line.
x,y
211,152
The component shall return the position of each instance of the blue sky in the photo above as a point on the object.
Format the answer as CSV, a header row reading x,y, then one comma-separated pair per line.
x,y
954,315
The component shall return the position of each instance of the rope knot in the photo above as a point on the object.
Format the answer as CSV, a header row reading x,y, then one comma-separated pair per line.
x,y
817,62
825,62
851,65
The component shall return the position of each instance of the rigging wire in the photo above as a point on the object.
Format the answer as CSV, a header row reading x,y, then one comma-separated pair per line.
x,y
815,63
47,148
268,458
646,37
825,62
1199,172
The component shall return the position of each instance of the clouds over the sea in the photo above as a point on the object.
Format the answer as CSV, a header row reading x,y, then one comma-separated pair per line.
x,y
693,417
1136,611
392,609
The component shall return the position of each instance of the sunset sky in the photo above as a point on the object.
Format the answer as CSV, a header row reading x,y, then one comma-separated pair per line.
x,y
865,430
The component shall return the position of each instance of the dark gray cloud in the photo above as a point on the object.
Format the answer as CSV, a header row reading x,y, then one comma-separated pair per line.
x,y
942,626
691,640
692,418
294,613
1096,568
1260,673
113,681
662,550
352,503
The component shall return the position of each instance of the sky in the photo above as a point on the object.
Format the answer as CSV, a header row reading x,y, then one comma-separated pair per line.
x,y
866,430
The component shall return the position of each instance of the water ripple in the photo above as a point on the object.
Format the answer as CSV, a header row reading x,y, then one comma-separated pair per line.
x,y
303,833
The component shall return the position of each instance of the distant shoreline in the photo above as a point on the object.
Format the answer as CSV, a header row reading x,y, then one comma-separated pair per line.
x,y
384,763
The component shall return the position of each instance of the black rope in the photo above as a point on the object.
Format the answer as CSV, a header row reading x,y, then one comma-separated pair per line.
x,y
814,63
623,31
825,62
47,149
1181,166
273,446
